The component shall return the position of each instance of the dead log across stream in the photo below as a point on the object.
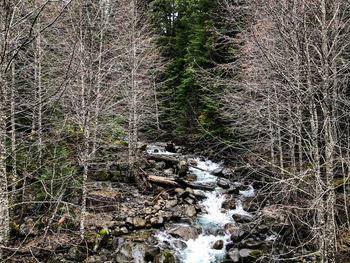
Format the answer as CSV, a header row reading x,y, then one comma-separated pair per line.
x,y
170,159
179,183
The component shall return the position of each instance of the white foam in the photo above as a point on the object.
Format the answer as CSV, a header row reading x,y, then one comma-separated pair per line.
x,y
200,251
248,193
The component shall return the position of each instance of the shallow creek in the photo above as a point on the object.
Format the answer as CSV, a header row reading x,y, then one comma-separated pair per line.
x,y
211,223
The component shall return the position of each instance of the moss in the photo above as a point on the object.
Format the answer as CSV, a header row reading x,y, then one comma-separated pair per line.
x,y
168,257
103,232
255,253
15,226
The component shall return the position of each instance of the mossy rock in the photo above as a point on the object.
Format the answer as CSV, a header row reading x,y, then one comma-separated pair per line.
x,y
255,253
165,257
100,176
116,176
122,144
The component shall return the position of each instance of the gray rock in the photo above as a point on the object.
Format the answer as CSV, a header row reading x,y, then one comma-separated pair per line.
x,y
139,222
185,232
227,172
134,252
245,252
217,171
191,211
191,177
233,254
242,218
170,203
169,172
224,183
183,167
183,194
237,235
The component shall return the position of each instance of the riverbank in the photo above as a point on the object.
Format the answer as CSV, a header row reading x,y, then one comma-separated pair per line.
x,y
170,223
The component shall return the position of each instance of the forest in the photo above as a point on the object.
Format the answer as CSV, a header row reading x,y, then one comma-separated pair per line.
x,y
166,131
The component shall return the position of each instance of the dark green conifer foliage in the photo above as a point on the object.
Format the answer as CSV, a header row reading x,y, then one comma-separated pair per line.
x,y
187,41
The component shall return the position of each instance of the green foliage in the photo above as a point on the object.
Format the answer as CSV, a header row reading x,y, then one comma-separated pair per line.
x,y
189,44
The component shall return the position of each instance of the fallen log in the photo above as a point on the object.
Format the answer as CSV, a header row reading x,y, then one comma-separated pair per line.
x,y
179,183
163,180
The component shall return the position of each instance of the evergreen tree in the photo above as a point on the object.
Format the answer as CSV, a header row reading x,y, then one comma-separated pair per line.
x,y
188,43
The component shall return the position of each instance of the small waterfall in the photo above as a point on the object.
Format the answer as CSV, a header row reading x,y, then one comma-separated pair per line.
x,y
215,218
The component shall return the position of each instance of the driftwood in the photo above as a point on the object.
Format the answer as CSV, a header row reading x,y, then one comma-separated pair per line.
x,y
178,183
162,180
170,159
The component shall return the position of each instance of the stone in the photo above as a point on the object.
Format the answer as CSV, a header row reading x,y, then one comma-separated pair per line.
x,y
165,257
159,165
227,172
190,190
230,228
233,254
138,222
131,252
224,183
239,218
170,203
218,245
191,177
237,235
245,252
185,232
182,194
168,172
217,171
183,167
156,221
191,211
193,162
170,147
103,200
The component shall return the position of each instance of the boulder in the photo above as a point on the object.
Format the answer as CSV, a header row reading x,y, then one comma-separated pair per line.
x,y
191,211
170,147
138,222
240,218
191,177
183,167
218,245
227,173
237,235
224,183
217,171
233,254
168,172
165,257
170,203
102,200
185,232
156,221
132,252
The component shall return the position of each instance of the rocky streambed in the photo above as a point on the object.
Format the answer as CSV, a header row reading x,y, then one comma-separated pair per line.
x,y
198,211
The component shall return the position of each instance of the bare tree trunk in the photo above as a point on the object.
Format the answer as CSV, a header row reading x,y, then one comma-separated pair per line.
x,y
4,203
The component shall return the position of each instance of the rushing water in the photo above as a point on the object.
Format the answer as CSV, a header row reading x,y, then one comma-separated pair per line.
x,y
200,250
